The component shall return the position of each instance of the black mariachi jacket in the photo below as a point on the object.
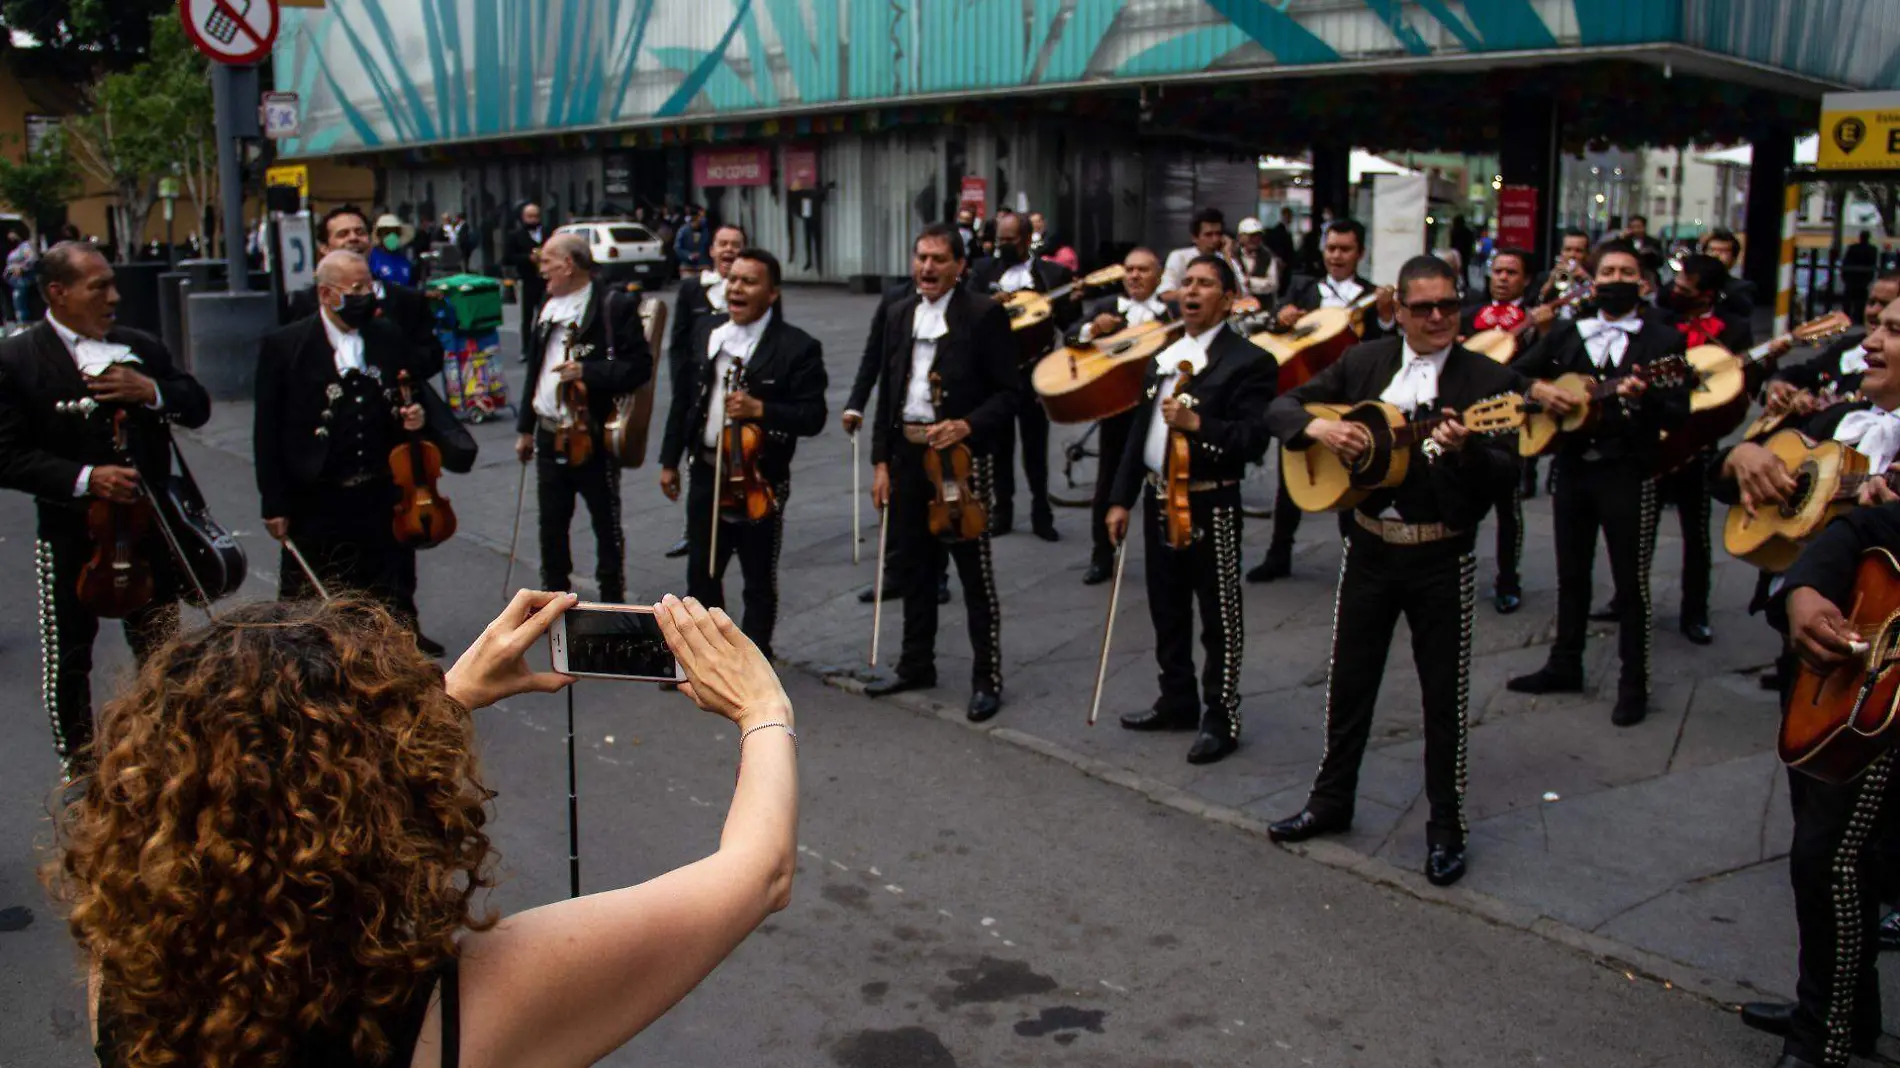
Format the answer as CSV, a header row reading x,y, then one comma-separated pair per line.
x,y
1626,430
1468,319
1456,489
872,362
1109,305
1230,395
1307,297
407,308
786,373
1031,342
976,362
296,365
42,451
606,372
1824,368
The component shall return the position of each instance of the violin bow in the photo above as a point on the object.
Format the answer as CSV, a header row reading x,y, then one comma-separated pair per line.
x,y
719,457
1108,629
308,572
514,542
877,584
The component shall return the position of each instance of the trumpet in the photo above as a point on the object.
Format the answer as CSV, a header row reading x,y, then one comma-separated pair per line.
x,y
1566,274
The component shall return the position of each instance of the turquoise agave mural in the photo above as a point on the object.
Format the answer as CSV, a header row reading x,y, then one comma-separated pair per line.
x,y
378,74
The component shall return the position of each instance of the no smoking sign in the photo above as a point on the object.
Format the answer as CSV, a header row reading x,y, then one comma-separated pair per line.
x,y
238,32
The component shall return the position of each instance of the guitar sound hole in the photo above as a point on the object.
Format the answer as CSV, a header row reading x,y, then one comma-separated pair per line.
x,y
1803,488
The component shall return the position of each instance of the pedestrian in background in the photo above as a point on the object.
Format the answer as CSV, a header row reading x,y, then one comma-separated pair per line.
x,y
693,246
1859,264
520,253
22,262
389,257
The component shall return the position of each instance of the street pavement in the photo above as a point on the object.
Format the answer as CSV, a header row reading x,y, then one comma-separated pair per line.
x,y
967,898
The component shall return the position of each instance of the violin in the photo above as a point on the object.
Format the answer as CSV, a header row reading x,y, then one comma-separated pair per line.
x,y
744,494
574,438
1180,519
424,518
956,513
118,580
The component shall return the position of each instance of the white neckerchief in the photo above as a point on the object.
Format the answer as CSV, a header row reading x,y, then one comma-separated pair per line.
x,y
89,355
714,285
1136,312
1339,294
730,343
1415,384
1854,361
346,346
1874,433
927,326
557,314
1192,351
1606,340
1019,276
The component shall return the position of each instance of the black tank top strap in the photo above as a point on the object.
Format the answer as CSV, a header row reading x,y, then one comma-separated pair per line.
x,y
450,986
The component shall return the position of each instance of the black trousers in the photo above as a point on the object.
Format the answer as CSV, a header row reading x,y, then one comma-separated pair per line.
x,y
1509,504
1619,498
597,482
1207,572
67,631
1688,490
1434,587
1286,519
923,559
1834,865
1111,437
1035,441
345,535
757,546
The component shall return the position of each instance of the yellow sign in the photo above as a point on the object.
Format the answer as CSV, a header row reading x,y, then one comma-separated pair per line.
x,y
1860,132
294,175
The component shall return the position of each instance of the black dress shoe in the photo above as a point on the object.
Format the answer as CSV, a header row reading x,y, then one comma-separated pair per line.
x,y
678,549
1507,602
1771,1017
869,593
1699,633
1631,708
1609,613
1097,574
1002,519
1545,680
1277,565
1306,825
1159,718
1770,680
429,646
1209,747
1046,530
984,706
1444,865
901,683
1889,932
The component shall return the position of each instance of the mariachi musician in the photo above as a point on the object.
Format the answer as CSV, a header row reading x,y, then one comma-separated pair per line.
x,y
1010,269
1344,245
605,352
67,462
1219,406
326,387
1408,551
702,295
1603,474
1506,307
778,380
1836,370
950,378
1101,317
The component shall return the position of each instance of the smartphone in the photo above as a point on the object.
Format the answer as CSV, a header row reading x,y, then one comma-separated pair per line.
x,y
613,641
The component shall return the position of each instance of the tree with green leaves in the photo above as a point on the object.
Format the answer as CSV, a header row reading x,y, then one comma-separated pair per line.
x,y
121,30
41,183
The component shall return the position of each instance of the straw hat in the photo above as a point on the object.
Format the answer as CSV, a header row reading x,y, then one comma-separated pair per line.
x,y
405,232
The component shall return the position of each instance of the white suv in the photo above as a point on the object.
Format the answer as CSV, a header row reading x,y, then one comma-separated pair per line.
x,y
623,251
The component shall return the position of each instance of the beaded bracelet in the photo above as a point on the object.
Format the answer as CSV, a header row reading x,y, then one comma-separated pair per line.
x,y
752,731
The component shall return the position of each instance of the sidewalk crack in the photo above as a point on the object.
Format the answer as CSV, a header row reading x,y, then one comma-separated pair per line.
x,y
1675,747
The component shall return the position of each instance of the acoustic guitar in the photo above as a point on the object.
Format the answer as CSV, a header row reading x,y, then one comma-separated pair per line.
x,y
1839,722
1770,419
1319,481
1827,480
1320,337
1501,345
1083,383
1542,427
1028,308
1719,395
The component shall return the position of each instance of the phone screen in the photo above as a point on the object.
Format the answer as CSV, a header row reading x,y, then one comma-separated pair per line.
x,y
622,644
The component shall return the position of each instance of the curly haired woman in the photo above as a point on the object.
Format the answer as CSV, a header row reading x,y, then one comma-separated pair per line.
x,y
277,860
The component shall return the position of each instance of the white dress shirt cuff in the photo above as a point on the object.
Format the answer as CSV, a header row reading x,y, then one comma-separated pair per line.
x,y
158,399
84,484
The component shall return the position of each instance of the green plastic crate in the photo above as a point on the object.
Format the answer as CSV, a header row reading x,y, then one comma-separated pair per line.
x,y
467,303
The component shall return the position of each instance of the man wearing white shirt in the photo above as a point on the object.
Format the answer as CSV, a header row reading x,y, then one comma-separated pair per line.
x,y
1217,405
778,381
702,295
1208,232
1137,306
1408,551
66,461
1603,473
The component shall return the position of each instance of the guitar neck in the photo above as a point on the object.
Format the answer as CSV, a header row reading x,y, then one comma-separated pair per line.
x,y
1851,484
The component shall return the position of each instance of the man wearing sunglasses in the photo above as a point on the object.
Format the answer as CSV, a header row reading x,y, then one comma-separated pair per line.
x,y
1408,551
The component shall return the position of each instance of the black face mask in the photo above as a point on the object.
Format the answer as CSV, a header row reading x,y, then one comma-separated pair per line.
x,y
1691,304
1009,254
1618,298
358,310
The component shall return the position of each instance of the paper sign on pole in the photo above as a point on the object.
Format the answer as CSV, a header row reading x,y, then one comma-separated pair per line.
x,y
1398,224
297,252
